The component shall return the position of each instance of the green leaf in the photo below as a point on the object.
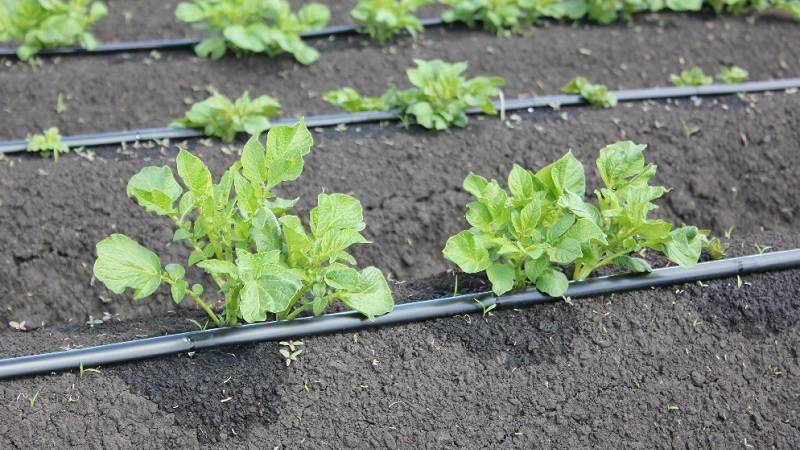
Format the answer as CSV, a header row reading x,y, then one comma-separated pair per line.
x,y
501,276
371,296
463,250
552,282
175,271
243,38
189,12
585,230
266,231
685,246
336,212
151,179
520,183
298,244
564,175
635,264
194,173
178,291
286,146
620,161
254,161
272,292
123,263
566,251
339,276
219,267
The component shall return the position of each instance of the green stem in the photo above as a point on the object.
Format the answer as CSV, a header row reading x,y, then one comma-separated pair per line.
x,y
285,314
299,310
584,269
206,307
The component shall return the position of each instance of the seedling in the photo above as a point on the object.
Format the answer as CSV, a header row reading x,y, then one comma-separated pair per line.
x,y
19,326
524,238
691,77
732,75
220,117
383,19
729,232
82,371
259,26
48,143
92,322
596,94
439,99
716,248
292,351
61,105
486,309
260,257
32,400
689,131
41,24
197,324
672,407
763,249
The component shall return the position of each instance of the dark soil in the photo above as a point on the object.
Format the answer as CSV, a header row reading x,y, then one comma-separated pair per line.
x,y
711,365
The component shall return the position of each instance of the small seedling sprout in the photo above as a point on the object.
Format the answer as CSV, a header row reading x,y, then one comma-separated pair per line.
x,y
291,352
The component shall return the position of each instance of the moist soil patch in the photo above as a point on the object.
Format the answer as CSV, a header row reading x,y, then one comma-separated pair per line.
x,y
711,365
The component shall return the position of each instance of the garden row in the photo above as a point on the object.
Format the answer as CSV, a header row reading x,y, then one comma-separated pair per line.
x,y
272,27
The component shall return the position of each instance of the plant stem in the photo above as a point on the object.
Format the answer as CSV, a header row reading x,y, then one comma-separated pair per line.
x,y
207,308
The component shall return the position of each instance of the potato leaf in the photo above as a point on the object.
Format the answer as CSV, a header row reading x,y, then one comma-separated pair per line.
x,y
123,263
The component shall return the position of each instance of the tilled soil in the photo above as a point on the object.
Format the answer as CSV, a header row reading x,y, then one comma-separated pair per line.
x,y
710,365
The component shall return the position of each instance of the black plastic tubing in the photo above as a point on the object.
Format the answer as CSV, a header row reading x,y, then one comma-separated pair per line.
x,y
405,313
329,120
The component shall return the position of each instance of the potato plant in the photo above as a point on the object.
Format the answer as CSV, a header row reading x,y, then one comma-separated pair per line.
x,y
596,94
48,143
259,26
526,238
261,258
43,24
384,19
219,116
439,99
691,77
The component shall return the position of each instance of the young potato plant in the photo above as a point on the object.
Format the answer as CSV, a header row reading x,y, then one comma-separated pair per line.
x,y
499,16
220,117
754,6
439,99
525,238
596,94
42,24
259,26
261,258
691,77
732,74
48,143
383,19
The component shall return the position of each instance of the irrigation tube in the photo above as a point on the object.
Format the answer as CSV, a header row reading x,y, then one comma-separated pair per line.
x,y
328,120
178,44
410,312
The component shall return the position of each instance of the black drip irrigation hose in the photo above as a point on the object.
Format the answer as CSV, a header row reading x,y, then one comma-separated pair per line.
x,y
179,44
410,312
329,120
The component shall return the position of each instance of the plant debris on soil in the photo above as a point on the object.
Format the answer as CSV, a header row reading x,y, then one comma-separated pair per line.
x,y
701,365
